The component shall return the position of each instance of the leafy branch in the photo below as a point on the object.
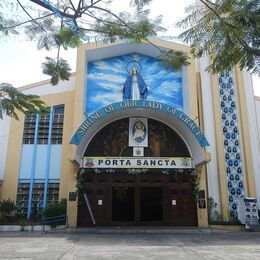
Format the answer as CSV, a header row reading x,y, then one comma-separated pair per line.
x,y
12,100
81,21
228,31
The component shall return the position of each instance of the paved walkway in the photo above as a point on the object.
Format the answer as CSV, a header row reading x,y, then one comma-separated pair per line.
x,y
79,246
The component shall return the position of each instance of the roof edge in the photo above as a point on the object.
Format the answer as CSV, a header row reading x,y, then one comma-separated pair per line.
x,y
161,43
257,98
39,83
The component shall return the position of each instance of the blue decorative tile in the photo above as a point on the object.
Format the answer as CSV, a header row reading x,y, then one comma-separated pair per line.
x,y
234,174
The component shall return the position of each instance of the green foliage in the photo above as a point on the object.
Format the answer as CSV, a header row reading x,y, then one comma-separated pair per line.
x,y
232,222
140,3
56,209
6,26
46,42
79,187
57,69
173,59
195,185
67,25
136,31
227,30
6,207
12,100
69,37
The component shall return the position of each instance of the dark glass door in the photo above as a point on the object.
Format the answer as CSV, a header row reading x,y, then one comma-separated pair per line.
x,y
123,204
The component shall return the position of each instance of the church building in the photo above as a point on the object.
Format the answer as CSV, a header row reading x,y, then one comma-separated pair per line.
x,y
130,143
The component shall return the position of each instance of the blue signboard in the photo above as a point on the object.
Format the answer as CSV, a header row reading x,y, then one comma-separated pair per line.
x,y
139,104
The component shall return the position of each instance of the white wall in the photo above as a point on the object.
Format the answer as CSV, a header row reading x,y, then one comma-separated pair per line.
x,y
4,135
46,88
257,107
209,131
253,109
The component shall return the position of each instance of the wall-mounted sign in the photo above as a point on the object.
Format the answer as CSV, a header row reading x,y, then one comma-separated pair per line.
x,y
138,151
72,196
138,132
141,162
139,104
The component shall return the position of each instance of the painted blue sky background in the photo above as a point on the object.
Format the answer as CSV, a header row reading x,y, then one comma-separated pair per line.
x,y
106,78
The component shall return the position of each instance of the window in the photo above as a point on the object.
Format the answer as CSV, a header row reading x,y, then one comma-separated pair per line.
x,y
57,125
43,127
53,192
22,198
37,196
29,129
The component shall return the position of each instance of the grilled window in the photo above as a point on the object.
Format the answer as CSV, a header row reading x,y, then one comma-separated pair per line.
x,y
37,196
29,129
57,125
43,127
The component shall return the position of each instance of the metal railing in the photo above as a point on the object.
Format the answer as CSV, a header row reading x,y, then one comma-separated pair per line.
x,y
54,221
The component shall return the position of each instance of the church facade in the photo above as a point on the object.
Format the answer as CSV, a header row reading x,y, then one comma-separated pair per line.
x,y
128,142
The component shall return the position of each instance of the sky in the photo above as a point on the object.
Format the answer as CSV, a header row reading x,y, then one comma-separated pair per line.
x,y
20,61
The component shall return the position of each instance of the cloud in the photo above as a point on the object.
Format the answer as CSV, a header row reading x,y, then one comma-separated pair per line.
x,y
168,92
107,65
106,77
167,87
106,98
106,85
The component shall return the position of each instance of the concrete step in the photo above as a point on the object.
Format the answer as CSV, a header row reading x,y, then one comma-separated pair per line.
x,y
137,230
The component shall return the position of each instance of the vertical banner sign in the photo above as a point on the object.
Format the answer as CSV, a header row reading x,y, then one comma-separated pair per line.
x,y
138,132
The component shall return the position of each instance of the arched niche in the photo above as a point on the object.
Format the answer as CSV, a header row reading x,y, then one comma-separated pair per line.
x,y
112,140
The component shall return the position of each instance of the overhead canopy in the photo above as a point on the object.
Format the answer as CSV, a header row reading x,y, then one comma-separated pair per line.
x,y
187,129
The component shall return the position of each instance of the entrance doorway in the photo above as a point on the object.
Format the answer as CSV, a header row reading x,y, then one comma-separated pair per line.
x,y
142,199
123,204
151,204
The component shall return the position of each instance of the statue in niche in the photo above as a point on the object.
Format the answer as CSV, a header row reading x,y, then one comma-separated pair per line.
x,y
134,87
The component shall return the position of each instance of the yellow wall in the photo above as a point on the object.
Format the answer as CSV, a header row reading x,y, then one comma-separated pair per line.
x,y
9,187
245,145
203,213
202,170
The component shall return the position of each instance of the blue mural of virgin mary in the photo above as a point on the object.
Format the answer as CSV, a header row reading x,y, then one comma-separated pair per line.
x,y
135,87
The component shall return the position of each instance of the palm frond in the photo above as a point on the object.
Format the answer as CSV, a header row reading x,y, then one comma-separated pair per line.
x,y
12,100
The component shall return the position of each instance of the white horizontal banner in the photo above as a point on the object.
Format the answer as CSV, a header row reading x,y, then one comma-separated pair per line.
x,y
141,162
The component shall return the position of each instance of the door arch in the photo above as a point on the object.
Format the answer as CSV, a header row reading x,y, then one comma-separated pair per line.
x,y
176,119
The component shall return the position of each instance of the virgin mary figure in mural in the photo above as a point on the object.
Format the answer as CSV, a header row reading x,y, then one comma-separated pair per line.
x,y
135,87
